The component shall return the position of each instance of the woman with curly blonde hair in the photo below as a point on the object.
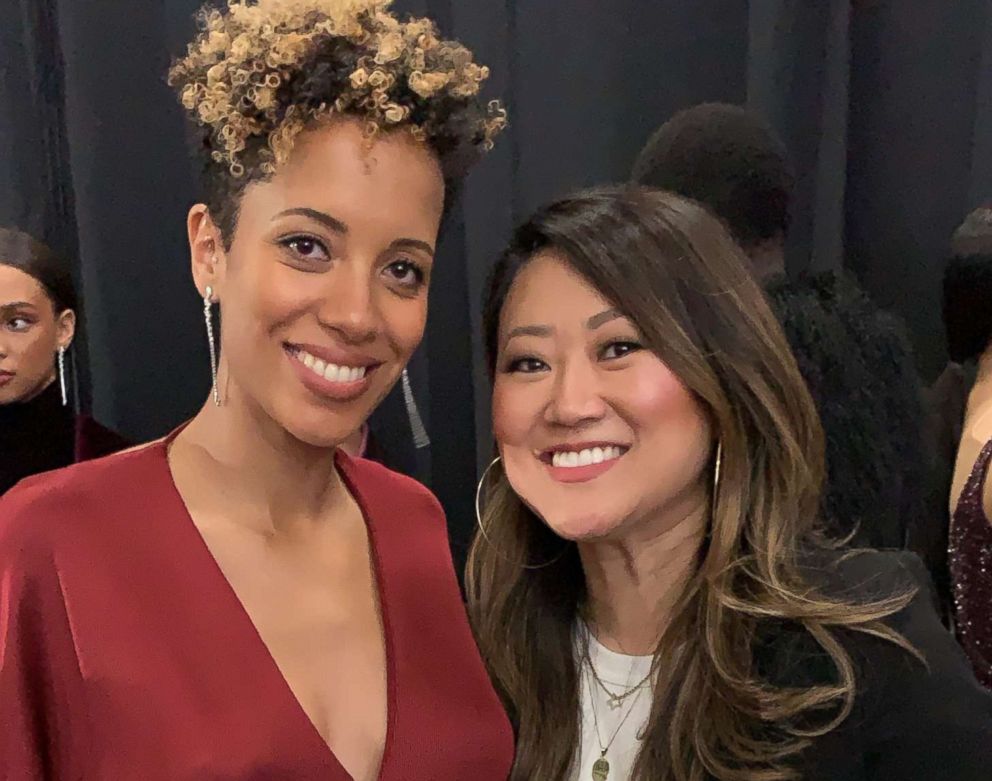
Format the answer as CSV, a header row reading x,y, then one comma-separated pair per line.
x,y
242,600
647,585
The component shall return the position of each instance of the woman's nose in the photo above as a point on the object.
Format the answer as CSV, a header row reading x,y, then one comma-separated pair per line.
x,y
576,395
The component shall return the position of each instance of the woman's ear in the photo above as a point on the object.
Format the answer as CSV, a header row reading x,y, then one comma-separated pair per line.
x,y
206,249
65,329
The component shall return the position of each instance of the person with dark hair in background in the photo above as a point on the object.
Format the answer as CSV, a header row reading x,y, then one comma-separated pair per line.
x,y
731,161
39,429
855,358
242,599
962,399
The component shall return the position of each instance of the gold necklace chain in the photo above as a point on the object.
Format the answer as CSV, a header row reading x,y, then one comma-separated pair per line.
x,y
601,767
615,700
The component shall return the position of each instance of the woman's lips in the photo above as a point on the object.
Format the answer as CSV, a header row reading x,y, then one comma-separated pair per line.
x,y
339,382
582,463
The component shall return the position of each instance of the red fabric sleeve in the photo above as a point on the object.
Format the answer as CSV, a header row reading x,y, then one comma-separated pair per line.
x,y
40,681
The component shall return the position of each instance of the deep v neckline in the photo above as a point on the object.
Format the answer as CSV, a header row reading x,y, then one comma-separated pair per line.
x,y
267,661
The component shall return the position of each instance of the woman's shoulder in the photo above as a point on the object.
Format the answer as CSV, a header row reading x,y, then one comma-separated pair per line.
x,y
862,577
916,714
42,510
864,574
914,711
789,655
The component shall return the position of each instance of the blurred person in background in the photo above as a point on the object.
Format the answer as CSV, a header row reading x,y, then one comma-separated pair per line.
x,y
962,410
39,428
855,357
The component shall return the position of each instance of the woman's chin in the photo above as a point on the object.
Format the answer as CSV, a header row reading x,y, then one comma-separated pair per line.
x,y
314,425
582,528
319,433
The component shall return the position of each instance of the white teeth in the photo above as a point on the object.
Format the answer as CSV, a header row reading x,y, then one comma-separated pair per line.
x,y
596,455
331,371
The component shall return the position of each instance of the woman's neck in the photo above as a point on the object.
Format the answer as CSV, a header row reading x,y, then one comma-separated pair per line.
x,y
278,480
634,583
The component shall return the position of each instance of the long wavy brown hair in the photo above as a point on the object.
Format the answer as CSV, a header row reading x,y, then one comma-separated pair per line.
x,y
674,271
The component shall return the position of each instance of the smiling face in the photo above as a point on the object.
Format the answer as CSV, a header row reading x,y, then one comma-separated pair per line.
x,y
31,333
597,435
323,292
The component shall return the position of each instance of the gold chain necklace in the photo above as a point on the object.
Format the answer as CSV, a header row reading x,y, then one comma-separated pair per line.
x,y
601,767
614,700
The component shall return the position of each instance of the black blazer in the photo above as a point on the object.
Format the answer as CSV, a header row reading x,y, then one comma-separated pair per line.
x,y
908,722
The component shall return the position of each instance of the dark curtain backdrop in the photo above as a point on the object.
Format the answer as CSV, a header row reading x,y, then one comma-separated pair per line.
x,y
886,107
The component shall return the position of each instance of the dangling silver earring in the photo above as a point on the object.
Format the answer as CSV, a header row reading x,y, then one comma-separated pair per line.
x,y
485,534
420,436
208,316
65,392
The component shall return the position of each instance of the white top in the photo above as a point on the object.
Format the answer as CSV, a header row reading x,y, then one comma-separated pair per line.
x,y
618,672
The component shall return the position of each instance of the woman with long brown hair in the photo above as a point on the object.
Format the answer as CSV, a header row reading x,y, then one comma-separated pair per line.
x,y
648,587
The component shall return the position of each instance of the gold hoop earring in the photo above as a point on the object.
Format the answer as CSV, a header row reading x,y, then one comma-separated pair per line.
x,y
478,502
718,463
482,526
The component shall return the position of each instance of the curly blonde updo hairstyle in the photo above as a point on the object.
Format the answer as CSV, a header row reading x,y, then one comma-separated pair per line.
x,y
260,72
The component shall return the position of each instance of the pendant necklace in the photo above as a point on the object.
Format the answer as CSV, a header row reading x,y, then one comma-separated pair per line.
x,y
616,699
601,767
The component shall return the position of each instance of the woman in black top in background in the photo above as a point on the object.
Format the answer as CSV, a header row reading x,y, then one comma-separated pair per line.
x,y
39,430
962,405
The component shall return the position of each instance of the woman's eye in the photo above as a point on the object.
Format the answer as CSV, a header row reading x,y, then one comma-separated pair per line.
x,y
19,324
306,248
406,273
619,350
526,366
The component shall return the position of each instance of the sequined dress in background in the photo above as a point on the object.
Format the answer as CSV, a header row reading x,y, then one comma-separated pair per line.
x,y
971,571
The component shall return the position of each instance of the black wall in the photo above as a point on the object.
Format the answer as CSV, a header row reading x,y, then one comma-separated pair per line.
x,y
886,107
